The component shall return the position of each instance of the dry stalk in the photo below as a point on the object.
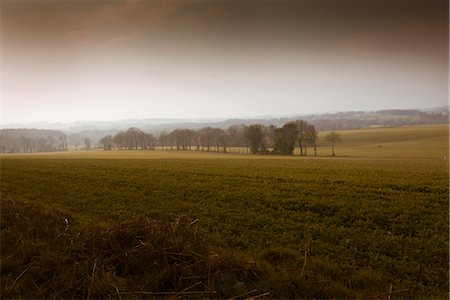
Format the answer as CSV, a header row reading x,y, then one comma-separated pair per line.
x,y
259,296
304,264
244,294
390,292
185,290
417,282
17,278
92,280
117,291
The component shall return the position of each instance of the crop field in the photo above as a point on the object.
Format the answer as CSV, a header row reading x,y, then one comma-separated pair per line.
x,y
429,141
371,222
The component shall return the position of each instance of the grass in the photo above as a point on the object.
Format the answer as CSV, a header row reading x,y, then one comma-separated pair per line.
x,y
424,141
308,227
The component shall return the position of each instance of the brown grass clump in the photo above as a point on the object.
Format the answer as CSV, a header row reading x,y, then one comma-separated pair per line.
x,y
44,255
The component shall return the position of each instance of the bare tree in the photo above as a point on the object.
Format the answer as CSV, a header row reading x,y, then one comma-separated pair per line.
x,y
87,144
162,140
149,141
302,132
255,136
334,138
106,141
120,140
269,136
206,136
62,143
236,136
222,139
134,136
51,144
311,137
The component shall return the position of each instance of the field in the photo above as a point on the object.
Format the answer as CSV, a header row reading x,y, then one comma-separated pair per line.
x,y
373,219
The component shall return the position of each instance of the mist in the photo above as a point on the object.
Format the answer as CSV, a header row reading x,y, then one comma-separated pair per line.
x,y
109,60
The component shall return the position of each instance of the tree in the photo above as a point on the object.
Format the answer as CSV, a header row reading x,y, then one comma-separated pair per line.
x,y
302,128
120,140
269,136
236,136
334,138
311,137
106,141
285,138
134,136
163,140
222,139
148,141
62,146
254,135
87,144
51,144
207,137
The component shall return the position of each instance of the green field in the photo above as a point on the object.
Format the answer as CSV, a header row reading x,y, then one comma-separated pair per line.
x,y
429,141
355,225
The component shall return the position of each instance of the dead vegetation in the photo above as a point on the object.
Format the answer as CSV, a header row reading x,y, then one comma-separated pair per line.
x,y
45,255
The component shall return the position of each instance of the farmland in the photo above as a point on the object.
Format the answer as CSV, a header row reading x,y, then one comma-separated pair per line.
x,y
355,225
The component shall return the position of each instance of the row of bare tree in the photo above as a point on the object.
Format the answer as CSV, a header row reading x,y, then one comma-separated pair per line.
x,y
32,140
254,138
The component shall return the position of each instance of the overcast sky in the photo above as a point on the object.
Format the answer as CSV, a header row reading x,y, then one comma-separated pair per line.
x,y
107,60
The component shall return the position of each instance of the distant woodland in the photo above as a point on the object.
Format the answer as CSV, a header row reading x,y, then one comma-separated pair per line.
x,y
277,136
256,138
32,140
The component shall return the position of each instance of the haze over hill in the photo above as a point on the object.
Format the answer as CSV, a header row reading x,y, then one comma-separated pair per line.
x,y
116,59
157,124
77,132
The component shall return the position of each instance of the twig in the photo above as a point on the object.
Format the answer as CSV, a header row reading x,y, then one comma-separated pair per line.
x,y
17,278
387,294
186,289
390,292
244,294
117,290
259,296
417,283
164,293
304,264
92,281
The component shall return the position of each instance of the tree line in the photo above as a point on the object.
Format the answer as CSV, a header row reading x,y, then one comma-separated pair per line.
x,y
32,140
255,138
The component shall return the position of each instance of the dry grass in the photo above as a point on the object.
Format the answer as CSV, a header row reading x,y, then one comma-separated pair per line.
x,y
45,255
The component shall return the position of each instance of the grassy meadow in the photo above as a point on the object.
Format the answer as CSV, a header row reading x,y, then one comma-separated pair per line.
x,y
373,219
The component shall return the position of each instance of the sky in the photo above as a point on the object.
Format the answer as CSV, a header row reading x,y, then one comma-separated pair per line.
x,y
63,61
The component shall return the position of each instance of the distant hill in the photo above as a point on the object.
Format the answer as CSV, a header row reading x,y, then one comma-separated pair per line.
x,y
94,130
399,112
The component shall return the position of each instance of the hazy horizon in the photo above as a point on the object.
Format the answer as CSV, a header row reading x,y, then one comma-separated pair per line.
x,y
210,119
112,60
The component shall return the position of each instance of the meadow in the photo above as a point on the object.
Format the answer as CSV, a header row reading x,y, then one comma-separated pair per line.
x,y
369,223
